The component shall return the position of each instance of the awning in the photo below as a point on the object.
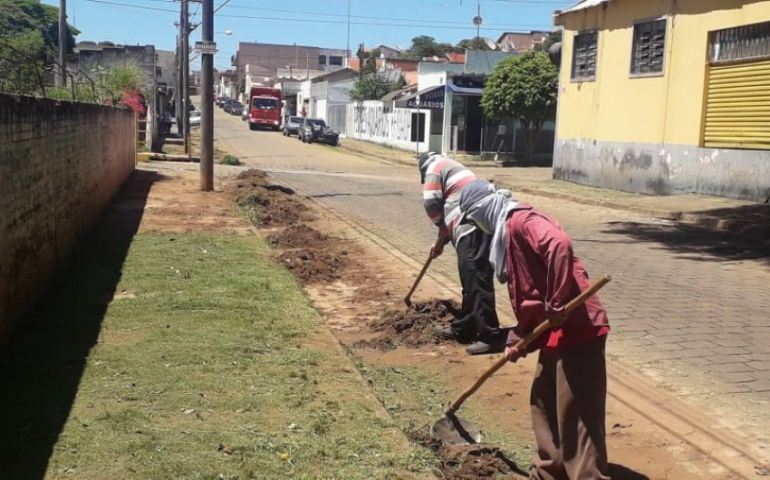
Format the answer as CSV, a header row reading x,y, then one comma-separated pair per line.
x,y
432,97
582,6
466,85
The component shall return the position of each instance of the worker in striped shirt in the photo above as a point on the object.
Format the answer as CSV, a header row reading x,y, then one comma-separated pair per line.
x,y
443,180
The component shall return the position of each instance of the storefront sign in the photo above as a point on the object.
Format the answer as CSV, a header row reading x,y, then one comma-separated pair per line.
x,y
433,99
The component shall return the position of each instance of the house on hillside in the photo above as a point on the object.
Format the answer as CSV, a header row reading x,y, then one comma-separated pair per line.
x,y
520,42
665,97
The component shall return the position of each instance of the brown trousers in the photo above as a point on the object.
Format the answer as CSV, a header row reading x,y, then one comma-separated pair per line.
x,y
568,408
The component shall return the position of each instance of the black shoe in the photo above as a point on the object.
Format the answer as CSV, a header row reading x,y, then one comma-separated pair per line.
x,y
482,348
444,333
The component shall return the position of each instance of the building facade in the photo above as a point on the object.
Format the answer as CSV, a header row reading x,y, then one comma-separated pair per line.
x,y
264,60
664,97
520,42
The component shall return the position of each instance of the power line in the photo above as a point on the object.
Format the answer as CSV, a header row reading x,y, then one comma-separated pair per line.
x,y
332,22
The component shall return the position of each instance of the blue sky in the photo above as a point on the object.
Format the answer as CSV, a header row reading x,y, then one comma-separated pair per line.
x,y
321,23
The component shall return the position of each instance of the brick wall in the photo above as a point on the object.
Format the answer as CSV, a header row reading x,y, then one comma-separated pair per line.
x,y
60,162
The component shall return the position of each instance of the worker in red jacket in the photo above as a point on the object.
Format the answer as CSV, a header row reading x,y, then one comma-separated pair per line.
x,y
533,255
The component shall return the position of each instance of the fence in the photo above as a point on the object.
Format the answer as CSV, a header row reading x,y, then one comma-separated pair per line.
x,y
338,117
375,122
509,138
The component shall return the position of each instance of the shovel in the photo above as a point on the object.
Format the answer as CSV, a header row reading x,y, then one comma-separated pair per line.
x,y
408,298
450,429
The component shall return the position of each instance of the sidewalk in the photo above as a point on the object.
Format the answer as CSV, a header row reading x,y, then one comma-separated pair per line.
x,y
174,346
748,219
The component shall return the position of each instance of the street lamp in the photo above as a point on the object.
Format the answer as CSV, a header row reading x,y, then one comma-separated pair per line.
x,y
226,32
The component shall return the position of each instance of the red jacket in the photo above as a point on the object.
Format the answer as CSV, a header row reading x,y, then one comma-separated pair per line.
x,y
543,276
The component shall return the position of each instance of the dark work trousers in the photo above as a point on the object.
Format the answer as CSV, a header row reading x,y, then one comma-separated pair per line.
x,y
478,319
567,404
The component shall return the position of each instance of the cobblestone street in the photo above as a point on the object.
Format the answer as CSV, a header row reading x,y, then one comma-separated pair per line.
x,y
688,310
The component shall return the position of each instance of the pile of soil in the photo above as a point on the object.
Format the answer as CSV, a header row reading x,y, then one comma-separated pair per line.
x,y
315,265
266,203
467,462
413,326
298,236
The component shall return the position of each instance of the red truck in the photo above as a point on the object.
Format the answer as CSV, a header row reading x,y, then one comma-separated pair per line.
x,y
264,108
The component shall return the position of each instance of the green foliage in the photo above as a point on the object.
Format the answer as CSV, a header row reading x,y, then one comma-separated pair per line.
x,y
29,36
523,88
230,160
426,46
21,67
553,37
475,43
374,87
77,92
116,80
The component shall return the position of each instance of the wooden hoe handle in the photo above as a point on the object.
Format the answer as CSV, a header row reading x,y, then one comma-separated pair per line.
x,y
408,298
522,344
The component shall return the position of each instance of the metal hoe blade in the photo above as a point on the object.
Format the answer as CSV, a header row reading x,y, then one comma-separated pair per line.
x,y
451,430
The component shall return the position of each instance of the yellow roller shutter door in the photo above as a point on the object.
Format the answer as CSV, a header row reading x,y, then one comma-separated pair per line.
x,y
738,106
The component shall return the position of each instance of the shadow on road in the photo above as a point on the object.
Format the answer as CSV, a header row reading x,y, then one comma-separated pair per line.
x,y
40,369
695,242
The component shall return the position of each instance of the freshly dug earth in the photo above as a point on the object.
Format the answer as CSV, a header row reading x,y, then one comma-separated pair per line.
x,y
411,327
467,462
314,265
298,236
265,203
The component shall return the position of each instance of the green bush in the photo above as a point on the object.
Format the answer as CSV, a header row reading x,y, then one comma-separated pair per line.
x,y
230,160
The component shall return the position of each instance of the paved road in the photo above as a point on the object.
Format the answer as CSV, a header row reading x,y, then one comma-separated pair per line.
x,y
693,320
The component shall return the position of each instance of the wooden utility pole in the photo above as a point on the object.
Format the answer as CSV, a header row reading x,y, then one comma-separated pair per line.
x,y
207,97
63,43
185,32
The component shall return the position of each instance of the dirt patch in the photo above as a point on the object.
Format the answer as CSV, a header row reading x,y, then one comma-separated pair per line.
x,y
266,203
467,462
411,327
297,236
315,265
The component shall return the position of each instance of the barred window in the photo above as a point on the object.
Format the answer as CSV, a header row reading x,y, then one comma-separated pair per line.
x,y
748,42
649,47
584,56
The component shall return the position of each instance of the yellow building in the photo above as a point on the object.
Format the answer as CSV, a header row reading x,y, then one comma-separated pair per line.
x,y
666,96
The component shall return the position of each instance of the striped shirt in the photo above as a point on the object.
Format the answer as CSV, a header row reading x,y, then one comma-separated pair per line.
x,y
444,180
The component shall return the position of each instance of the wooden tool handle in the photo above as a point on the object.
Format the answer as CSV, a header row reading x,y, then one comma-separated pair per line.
x,y
408,298
522,344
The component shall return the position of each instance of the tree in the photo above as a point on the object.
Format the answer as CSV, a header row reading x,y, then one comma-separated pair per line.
x,y
426,46
29,35
553,37
475,43
523,88
374,87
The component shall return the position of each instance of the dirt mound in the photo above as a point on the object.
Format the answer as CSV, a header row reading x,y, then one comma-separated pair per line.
x,y
312,266
266,203
297,236
413,326
467,462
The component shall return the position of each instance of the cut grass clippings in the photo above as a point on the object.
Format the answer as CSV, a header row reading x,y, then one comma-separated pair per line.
x,y
211,364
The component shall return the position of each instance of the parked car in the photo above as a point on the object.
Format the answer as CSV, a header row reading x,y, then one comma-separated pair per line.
x,y
316,130
228,104
221,101
291,125
236,108
195,118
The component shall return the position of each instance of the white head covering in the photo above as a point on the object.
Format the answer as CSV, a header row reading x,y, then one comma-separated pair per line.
x,y
489,210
